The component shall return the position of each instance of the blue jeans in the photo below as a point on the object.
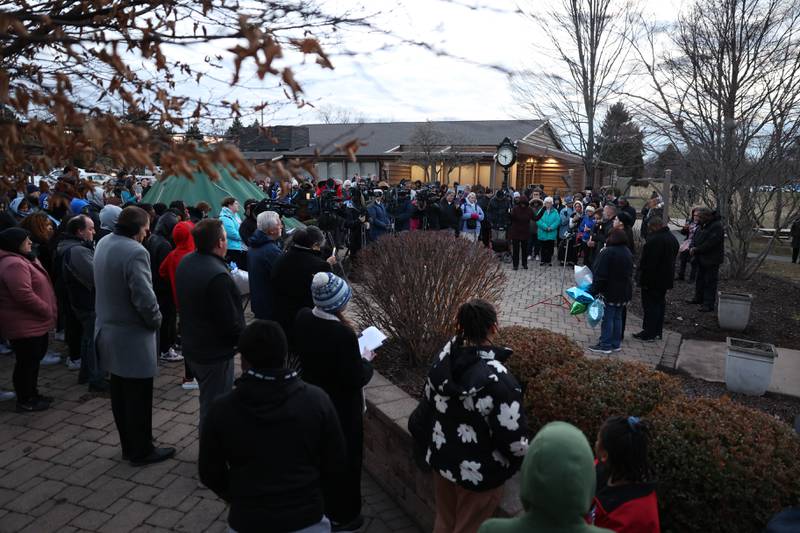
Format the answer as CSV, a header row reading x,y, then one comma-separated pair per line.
x,y
611,328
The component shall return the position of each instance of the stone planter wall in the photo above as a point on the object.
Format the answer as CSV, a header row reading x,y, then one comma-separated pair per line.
x,y
388,455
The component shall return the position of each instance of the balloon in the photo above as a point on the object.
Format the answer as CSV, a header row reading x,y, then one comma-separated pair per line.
x,y
577,308
580,295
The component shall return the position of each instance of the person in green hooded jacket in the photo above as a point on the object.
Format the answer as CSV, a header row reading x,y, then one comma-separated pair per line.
x,y
557,485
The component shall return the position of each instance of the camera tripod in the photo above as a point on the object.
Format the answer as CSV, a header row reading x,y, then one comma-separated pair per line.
x,y
558,300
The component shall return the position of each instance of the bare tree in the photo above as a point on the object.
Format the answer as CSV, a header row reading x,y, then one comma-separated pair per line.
x,y
70,68
333,114
591,47
726,89
438,153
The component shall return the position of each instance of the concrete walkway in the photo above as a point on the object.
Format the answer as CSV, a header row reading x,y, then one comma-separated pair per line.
x,y
706,360
61,470
527,287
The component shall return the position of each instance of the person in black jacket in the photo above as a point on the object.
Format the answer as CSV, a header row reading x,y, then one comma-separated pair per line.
x,y
655,277
249,225
624,206
159,244
292,275
269,447
613,280
356,220
76,251
449,213
330,358
212,317
708,249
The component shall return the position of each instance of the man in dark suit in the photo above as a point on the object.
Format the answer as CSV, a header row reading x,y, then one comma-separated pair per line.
x,y
655,277
126,329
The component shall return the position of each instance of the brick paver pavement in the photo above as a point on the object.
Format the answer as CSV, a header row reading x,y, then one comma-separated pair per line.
x,y
61,469
526,287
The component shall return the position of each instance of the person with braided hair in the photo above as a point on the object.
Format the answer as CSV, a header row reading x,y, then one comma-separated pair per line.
x,y
477,432
625,500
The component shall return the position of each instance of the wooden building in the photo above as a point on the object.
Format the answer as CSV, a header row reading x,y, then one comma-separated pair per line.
x,y
441,151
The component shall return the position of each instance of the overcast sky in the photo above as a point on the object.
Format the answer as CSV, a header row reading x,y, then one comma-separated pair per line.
x,y
408,83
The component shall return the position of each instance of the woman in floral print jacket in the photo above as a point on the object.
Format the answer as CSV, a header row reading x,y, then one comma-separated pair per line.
x,y
479,432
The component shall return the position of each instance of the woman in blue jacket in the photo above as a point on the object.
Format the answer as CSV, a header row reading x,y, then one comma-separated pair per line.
x,y
229,215
547,230
471,218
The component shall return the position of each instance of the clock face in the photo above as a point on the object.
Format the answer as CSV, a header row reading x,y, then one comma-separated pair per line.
x,y
505,155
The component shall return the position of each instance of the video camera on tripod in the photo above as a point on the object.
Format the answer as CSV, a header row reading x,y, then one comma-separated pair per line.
x,y
283,209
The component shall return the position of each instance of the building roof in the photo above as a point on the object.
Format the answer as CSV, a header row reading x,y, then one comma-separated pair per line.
x,y
381,138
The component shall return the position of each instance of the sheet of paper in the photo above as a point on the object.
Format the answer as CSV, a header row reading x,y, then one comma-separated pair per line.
x,y
370,339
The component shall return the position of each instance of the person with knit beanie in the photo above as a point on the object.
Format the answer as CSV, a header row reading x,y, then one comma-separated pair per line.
x,y
327,346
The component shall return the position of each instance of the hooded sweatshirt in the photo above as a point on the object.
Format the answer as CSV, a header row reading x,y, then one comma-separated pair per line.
x,y
479,433
77,205
556,486
268,448
184,244
108,219
14,207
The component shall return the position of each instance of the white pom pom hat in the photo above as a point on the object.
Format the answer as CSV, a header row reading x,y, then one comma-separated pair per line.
x,y
330,292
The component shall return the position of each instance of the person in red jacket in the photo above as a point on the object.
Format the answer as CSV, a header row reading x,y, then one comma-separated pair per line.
x,y
184,244
27,314
625,501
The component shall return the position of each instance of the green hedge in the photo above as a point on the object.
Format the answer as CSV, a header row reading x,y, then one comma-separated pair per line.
x,y
722,467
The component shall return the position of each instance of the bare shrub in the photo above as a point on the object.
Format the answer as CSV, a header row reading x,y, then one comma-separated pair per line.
x,y
413,283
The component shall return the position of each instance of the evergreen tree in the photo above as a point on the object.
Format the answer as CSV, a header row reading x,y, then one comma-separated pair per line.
x,y
670,158
234,132
621,142
193,133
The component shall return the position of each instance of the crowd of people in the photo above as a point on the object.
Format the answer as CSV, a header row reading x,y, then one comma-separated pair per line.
x,y
134,286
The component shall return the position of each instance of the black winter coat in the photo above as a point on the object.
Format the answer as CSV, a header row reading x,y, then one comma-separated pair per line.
x,y
267,448
212,317
613,274
330,358
600,233
291,282
478,432
159,248
657,264
709,242
449,215
247,228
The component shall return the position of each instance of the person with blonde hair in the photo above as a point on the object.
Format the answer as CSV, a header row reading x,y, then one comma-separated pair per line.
x,y
471,217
